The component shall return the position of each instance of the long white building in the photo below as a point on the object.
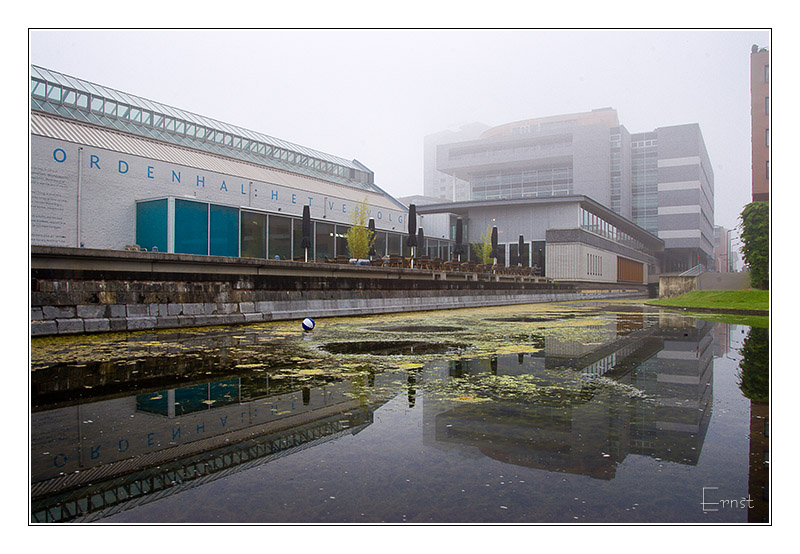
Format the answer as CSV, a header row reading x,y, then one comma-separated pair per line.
x,y
110,169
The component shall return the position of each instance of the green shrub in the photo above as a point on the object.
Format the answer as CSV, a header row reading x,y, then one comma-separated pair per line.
x,y
755,242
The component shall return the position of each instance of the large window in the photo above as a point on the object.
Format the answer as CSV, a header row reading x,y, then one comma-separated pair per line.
x,y
325,240
224,231
297,241
254,235
341,240
514,252
380,243
191,227
395,244
151,224
280,237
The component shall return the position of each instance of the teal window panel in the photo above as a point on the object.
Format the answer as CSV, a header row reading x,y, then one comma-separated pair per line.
x,y
153,402
191,399
223,393
151,224
191,227
224,227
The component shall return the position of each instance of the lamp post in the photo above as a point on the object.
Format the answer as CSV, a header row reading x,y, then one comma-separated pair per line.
x,y
728,254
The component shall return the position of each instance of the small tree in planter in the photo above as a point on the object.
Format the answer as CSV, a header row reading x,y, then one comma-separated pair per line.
x,y
359,238
483,249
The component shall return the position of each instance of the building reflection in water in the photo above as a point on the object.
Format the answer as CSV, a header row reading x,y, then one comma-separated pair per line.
x,y
583,428
90,460
643,385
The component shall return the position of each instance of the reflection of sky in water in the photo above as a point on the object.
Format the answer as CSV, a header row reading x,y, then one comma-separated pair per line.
x,y
627,427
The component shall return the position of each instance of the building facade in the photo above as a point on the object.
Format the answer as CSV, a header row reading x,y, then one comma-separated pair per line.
x,y
437,184
661,180
567,238
759,118
110,169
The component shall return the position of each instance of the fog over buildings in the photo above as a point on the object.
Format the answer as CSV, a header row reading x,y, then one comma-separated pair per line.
x,y
373,95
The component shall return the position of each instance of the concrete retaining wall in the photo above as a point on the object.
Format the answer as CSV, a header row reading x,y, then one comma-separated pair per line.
x,y
75,291
724,281
671,286
52,320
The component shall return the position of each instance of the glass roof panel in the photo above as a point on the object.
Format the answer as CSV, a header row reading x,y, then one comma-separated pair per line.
x,y
261,154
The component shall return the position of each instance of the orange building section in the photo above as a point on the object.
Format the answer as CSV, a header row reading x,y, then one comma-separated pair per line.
x,y
759,114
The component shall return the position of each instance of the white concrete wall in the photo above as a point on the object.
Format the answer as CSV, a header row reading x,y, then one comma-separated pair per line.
x,y
112,182
569,261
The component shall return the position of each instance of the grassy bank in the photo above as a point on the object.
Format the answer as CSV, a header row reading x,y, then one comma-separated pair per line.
x,y
719,299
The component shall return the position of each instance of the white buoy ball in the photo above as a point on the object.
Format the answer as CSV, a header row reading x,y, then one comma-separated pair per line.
x,y
308,324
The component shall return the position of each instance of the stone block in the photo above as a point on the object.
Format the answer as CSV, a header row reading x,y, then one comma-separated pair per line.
x,y
209,308
193,308
265,307
137,310
118,323
68,326
167,322
98,325
186,320
203,320
36,314
92,311
138,323
250,317
174,309
227,308
232,319
247,307
41,328
117,310
58,312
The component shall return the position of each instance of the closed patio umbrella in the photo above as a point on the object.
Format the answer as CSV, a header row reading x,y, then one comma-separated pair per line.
x,y
520,248
494,244
371,227
412,226
459,238
306,242
412,231
421,240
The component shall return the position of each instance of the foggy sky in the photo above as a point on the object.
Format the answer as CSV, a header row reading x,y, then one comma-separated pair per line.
x,y
372,95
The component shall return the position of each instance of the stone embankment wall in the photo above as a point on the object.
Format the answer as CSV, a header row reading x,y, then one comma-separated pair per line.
x,y
83,291
670,286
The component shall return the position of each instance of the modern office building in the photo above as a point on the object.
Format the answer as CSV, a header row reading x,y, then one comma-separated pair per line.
x,y
725,253
759,118
110,169
660,180
437,184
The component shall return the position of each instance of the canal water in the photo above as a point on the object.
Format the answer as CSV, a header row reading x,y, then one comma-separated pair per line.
x,y
553,413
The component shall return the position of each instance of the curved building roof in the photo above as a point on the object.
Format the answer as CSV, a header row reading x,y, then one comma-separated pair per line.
x,y
83,101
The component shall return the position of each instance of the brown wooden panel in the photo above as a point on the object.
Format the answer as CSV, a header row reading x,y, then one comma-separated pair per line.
x,y
629,270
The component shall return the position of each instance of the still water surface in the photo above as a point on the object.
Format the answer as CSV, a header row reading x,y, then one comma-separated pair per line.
x,y
548,413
